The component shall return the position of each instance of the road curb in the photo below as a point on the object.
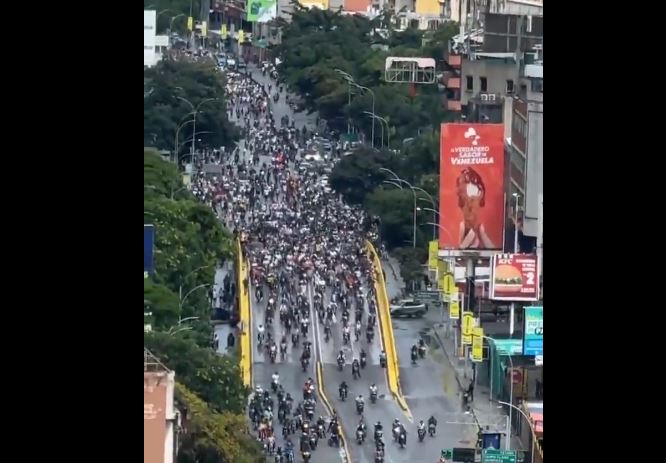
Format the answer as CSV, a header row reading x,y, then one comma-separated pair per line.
x,y
320,388
386,332
245,313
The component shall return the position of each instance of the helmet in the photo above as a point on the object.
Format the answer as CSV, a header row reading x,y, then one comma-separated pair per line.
x,y
378,423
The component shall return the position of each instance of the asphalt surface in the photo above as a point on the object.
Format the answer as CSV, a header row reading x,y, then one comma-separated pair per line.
x,y
429,386
291,374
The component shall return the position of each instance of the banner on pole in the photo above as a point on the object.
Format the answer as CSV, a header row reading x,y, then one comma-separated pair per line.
x,y
477,345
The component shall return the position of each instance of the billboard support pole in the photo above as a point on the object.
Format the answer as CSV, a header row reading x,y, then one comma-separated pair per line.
x,y
512,318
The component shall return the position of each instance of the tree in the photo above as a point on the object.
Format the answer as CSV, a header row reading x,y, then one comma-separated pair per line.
x,y
212,437
215,378
358,174
165,108
189,242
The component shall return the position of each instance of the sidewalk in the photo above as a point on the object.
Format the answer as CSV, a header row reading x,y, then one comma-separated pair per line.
x,y
223,328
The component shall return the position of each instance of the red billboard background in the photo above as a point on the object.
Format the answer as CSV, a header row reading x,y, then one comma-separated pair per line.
x,y
471,187
514,277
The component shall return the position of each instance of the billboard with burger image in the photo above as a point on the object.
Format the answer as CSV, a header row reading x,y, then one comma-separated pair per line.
x,y
514,277
471,188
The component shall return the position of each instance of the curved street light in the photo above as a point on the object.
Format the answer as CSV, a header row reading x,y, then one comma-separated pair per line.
x,y
529,423
195,110
182,301
369,114
362,88
180,288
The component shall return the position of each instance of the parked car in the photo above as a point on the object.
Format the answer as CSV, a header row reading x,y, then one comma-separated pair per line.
x,y
408,308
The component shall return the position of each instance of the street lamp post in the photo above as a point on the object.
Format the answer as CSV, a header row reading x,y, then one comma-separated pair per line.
x,y
182,301
388,130
349,80
195,111
368,113
361,87
415,207
171,23
435,214
175,143
529,423
180,288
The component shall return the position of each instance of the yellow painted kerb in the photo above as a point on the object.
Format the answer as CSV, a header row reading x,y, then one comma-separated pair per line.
x,y
327,404
386,328
245,318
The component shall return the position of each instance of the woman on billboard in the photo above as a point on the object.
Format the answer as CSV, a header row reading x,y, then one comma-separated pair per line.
x,y
471,198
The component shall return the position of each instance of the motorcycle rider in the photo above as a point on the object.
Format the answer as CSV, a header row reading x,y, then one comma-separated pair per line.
x,y
432,423
343,389
360,402
276,379
346,334
364,358
382,359
414,353
341,358
421,430
356,369
373,391
260,333
422,348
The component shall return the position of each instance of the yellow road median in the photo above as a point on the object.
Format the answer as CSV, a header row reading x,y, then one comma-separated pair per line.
x,y
245,318
386,329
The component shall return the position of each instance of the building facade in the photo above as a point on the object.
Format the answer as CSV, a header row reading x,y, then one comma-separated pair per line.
x,y
160,419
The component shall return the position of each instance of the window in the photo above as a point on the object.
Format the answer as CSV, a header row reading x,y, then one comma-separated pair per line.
x,y
536,85
470,83
509,86
484,84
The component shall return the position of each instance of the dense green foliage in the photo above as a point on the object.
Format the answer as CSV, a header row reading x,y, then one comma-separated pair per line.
x,y
166,86
189,242
356,46
213,436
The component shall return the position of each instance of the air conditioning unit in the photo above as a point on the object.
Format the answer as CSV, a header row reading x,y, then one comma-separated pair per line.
x,y
491,97
484,97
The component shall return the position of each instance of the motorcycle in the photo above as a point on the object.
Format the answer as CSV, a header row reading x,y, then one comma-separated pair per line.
x,y
260,339
273,354
356,374
345,338
341,363
373,397
431,429
334,441
283,350
382,361
295,339
313,442
421,434
304,364
360,436
320,431
327,333
369,336
274,386
379,437
343,394
306,456
363,361
402,440
414,356
422,351
359,408
281,415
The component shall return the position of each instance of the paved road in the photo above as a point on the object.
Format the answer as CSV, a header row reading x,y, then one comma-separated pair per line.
x,y
291,375
430,386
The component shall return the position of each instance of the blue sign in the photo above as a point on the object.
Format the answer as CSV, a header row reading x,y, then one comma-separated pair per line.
x,y
509,346
533,333
148,250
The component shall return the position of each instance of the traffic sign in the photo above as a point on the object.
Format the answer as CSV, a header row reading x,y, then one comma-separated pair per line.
x,y
499,456
447,454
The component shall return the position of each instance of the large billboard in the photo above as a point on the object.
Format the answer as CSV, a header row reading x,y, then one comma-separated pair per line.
x,y
471,187
261,11
149,32
514,277
148,250
533,332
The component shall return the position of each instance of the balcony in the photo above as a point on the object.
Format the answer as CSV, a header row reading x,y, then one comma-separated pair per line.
x,y
453,105
453,82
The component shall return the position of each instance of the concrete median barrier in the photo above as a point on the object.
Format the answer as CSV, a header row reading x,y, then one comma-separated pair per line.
x,y
243,289
386,328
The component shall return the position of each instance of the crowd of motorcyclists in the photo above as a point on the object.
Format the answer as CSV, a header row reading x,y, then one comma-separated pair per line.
x,y
308,262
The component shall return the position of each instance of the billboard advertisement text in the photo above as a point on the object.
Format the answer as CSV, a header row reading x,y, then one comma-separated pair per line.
x,y
514,277
533,333
471,187
261,11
